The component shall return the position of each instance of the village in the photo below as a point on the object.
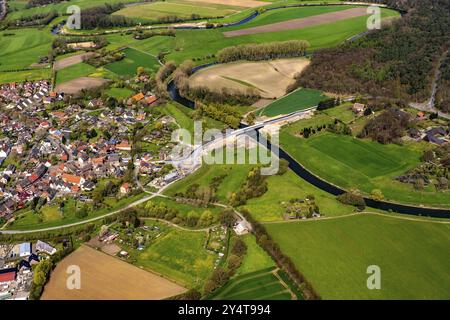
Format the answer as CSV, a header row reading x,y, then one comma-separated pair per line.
x,y
53,147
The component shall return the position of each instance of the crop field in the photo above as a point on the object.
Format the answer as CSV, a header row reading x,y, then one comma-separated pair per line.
x,y
107,278
73,72
270,78
22,48
133,60
295,101
258,285
366,165
179,8
334,255
179,255
76,85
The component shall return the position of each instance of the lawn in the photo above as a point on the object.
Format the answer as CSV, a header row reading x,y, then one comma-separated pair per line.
x,y
298,100
184,209
179,255
334,256
362,164
132,61
258,285
178,8
73,72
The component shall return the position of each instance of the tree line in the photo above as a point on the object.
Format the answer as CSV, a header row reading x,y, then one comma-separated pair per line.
x,y
100,17
264,51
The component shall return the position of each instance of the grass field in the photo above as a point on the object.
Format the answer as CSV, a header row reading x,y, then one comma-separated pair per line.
x,y
179,255
255,259
104,277
289,186
179,8
23,48
298,100
185,45
30,75
334,256
119,93
258,285
133,59
73,72
235,176
354,163
50,216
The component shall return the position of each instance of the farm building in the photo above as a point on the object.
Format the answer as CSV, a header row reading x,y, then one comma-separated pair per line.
x,y
45,247
7,275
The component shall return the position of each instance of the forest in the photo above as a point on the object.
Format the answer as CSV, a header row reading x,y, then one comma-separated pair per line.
x,y
398,61
100,17
443,92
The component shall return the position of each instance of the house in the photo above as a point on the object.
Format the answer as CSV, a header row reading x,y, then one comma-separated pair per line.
x,y
168,178
150,100
358,108
45,247
435,135
125,188
138,97
25,249
73,179
240,228
124,146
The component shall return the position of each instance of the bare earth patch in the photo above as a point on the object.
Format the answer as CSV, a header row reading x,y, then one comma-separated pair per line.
x,y
70,61
76,85
301,23
106,278
237,3
270,78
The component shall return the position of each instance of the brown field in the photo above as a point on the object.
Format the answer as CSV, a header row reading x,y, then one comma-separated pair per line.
x,y
237,3
107,278
301,23
76,85
270,78
70,61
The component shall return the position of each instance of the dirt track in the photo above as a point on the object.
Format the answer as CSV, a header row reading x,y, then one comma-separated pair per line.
x,y
70,61
106,278
300,23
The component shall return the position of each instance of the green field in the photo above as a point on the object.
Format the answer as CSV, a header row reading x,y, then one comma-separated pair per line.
x,y
179,255
21,76
132,61
186,43
362,164
334,256
258,285
178,8
289,186
300,99
119,93
23,48
73,72
255,259
286,14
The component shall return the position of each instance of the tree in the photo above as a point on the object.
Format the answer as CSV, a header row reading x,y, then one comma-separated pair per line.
x,y
82,212
192,218
206,219
377,195
227,218
140,71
